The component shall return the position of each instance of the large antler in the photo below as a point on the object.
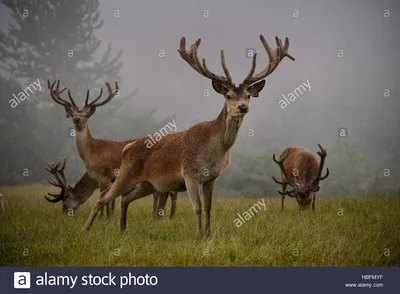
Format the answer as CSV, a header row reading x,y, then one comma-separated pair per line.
x,y
55,94
193,60
322,154
274,56
58,172
111,95
286,181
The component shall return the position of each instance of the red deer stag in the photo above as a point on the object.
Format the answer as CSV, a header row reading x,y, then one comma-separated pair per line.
x,y
301,169
185,160
102,158
77,195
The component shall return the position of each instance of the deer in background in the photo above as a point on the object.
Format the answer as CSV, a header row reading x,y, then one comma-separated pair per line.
x,y
196,157
102,158
84,188
301,169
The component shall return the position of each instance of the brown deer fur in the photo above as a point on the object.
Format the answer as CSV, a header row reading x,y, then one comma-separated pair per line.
x,y
102,158
197,156
301,169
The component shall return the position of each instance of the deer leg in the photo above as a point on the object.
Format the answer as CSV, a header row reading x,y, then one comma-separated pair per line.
x,y
283,196
104,186
155,203
138,192
208,189
102,209
192,187
174,196
162,203
313,202
119,187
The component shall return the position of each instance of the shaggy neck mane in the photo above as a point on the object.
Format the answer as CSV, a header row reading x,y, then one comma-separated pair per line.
x,y
228,126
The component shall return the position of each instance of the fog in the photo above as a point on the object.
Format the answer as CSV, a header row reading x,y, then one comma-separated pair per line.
x,y
347,51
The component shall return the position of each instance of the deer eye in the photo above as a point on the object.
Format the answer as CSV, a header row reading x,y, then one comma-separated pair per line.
x,y
228,97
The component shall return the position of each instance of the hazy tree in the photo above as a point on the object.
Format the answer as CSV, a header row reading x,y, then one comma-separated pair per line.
x,y
57,40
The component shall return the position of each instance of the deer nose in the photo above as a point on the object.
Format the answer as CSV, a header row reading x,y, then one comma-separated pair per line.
x,y
243,108
76,119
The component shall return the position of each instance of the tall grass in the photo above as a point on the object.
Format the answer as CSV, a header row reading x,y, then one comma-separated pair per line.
x,y
343,231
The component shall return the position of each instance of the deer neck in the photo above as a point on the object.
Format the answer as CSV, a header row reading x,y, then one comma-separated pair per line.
x,y
84,188
83,140
227,127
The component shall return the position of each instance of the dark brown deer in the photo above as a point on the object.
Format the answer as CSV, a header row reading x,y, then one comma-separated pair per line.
x,y
301,169
195,157
102,158
73,197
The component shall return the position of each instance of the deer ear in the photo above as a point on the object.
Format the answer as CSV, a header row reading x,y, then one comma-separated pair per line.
x,y
255,89
219,88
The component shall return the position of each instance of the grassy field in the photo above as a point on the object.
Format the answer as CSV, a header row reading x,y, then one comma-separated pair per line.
x,y
342,232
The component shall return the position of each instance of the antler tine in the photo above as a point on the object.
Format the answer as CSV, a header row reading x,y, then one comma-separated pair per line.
x,y
193,60
274,56
87,97
280,163
225,68
56,199
70,98
289,193
58,172
188,56
322,154
54,183
252,69
53,169
111,95
279,182
55,93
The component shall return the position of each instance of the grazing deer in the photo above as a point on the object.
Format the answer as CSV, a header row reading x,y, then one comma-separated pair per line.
x,y
195,157
301,169
1,203
102,158
73,197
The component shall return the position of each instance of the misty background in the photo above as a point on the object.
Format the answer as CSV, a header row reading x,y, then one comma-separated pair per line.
x,y
347,50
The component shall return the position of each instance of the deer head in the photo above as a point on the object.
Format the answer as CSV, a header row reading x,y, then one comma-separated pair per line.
x,y
237,98
302,189
70,203
80,116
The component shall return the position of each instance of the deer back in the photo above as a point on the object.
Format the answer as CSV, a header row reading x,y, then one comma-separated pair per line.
x,y
301,165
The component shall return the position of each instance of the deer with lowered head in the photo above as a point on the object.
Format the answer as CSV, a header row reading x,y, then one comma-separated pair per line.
x,y
193,158
78,194
301,170
102,158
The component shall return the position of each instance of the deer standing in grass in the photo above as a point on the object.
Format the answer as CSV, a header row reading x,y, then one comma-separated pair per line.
x,y
301,169
185,160
102,158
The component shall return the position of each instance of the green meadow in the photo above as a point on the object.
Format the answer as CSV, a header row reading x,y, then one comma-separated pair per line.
x,y
343,231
